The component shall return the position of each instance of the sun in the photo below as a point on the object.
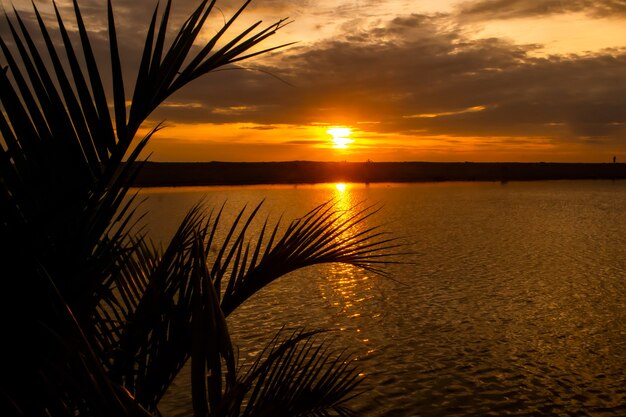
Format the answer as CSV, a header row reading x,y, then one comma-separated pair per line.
x,y
340,137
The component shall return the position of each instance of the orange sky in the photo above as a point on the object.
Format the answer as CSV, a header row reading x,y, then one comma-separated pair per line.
x,y
471,80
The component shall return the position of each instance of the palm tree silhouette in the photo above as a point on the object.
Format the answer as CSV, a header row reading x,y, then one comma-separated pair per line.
x,y
96,319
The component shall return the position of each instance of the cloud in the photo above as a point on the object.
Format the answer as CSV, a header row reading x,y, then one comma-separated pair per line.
x,y
420,65
508,9
377,71
472,109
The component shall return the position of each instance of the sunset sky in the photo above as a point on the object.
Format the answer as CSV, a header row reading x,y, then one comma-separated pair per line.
x,y
399,80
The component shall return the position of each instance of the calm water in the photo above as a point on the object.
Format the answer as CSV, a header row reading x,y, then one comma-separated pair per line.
x,y
514,304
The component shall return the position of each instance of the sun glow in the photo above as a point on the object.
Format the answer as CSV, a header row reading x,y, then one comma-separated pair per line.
x,y
340,137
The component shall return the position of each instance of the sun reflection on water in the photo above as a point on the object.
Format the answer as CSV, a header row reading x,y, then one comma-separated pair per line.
x,y
343,197
349,290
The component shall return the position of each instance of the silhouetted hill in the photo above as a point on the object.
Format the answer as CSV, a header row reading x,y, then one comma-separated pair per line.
x,y
305,172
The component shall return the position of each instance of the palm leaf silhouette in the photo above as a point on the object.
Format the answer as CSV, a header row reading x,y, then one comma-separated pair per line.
x,y
119,317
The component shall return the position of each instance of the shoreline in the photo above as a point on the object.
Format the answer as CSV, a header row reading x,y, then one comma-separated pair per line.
x,y
172,174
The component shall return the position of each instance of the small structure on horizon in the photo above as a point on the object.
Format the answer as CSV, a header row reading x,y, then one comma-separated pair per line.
x,y
614,158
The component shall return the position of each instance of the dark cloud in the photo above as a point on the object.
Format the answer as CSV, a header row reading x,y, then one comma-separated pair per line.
x,y
413,74
507,9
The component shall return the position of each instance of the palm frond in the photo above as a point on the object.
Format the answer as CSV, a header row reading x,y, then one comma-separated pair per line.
x,y
152,298
163,72
61,151
324,235
128,315
67,369
119,97
63,197
297,376
159,303
211,344
102,127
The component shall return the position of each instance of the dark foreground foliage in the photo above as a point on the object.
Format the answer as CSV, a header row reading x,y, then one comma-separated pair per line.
x,y
96,320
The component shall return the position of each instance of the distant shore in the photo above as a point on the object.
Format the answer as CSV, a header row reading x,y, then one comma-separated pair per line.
x,y
158,174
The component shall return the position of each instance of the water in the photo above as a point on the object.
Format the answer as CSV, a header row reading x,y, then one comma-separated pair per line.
x,y
514,302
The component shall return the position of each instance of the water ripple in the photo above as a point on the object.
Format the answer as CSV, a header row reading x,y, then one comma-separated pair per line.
x,y
515,304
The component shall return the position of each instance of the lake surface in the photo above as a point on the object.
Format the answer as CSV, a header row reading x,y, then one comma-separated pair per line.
x,y
514,302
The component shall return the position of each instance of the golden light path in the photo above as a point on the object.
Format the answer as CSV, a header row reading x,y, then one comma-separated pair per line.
x,y
340,136
347,289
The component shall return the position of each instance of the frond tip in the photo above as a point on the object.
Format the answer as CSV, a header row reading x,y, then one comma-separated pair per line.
x,y
326,234
297,375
